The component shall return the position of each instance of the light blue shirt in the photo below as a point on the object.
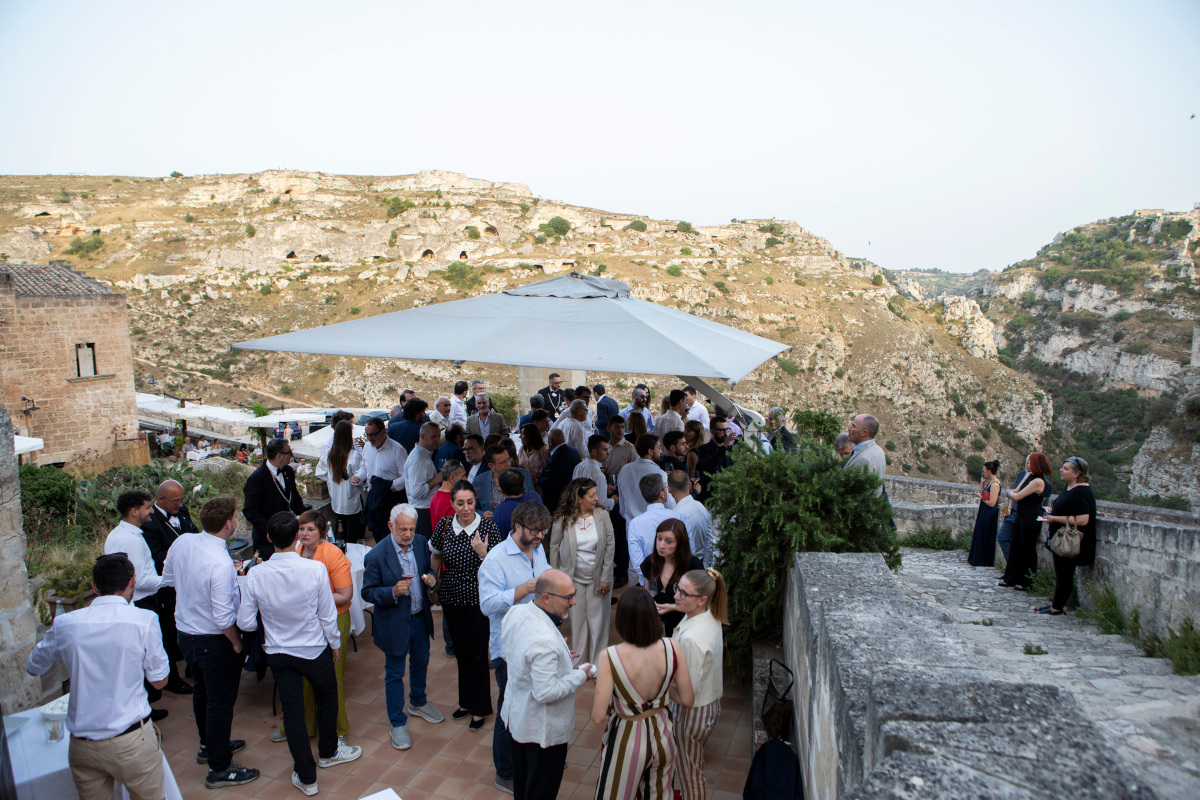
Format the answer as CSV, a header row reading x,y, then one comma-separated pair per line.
x,y
408,566
646,414
641,532
502,571
699,523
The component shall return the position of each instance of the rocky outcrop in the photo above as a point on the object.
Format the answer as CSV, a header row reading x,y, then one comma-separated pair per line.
x,y
1165,466
966,322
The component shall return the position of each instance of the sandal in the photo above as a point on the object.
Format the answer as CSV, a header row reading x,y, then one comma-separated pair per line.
x,y
1006,585
1050,610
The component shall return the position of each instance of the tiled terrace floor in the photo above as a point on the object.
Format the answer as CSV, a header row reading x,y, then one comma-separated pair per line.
x,y
446,760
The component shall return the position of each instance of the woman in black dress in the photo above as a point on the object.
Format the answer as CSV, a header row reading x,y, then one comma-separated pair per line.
x,y
460,542
1022,560
1077,504
983,542
671,560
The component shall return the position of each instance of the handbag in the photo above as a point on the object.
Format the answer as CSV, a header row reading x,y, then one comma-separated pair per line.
x,y
777,709
1066,540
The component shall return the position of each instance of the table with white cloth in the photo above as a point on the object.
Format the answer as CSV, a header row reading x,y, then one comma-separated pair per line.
x,y
358,620
40,768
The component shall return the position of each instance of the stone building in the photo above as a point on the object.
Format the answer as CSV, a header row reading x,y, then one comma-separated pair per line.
x,y
66,367
18,626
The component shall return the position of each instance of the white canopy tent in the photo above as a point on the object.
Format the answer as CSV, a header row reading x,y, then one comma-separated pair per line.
x,y
313,445
26,444
572,321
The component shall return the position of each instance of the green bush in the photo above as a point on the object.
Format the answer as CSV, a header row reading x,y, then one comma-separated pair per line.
x,y
685,227
472,232
938,538
188,217
975,461
839,373
322,259
772,241
557,226
818,425
84,247
897,305
62,196
176,174
393,237
771,506
675,270
721,285
464,277
274,201
47,487
395,206
1052,276
637,225
354,309
524,208
769,280
877,279
685,251
1183,648
774,228
540,239
250,231
800,282
1176,229
1174,502
506,404
1107,613
265,289
788,366
1121,316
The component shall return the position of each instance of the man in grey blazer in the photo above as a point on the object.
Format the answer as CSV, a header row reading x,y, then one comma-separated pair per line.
x,y
486,420
866,454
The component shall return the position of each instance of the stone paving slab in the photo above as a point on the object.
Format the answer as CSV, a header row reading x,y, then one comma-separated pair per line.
x,y
1150,715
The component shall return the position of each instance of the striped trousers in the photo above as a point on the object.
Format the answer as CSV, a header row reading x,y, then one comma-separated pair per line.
x,y
691,728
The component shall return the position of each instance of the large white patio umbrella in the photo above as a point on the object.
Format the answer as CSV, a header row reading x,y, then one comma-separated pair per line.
x,y
572,321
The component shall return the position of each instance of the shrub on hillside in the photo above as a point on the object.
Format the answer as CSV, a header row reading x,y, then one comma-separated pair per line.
x,y
556,226
250,231
675,270
774,228
685,227
1176,229
84,247
770,506
395,206
637,225
877,279
472,232
975,462
772,241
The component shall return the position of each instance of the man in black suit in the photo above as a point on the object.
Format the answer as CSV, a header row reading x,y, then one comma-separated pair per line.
x,y
169,519
270,489
553,398
559,468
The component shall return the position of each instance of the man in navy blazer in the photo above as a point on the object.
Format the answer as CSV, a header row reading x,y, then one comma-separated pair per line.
x,y
487,495
559,468
397,580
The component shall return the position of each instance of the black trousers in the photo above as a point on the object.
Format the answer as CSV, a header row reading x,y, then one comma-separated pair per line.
x,y
469,629
166,623
290,673
151,603
621,553
424,523
1064,581
216,671
537,771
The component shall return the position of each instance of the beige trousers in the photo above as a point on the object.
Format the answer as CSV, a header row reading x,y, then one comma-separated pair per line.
x,y
134,759
589,622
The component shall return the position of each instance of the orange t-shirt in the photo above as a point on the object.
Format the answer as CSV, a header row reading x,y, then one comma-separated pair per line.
x,y
336,564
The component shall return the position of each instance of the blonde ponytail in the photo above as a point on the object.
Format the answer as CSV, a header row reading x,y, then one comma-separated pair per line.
x,y
710,584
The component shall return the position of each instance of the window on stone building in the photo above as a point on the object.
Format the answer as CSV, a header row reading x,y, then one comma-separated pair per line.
x,y
85,360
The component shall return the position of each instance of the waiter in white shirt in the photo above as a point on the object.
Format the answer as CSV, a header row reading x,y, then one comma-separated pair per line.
x,y
421,478
109,649
206,606
301,641
383,471
135,507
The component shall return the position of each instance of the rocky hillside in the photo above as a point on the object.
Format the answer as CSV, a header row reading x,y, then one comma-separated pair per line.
x,y
1104,320
210,260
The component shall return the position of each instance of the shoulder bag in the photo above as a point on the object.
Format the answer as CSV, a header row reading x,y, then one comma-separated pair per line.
x,y
1066,540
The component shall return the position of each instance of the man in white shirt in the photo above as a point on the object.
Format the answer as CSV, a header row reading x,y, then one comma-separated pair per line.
x,y
672,420
694,515
507,578
649,451
441,416
383,471
110,649
540,712
421,478
695,409
643,528
135,507
637,405
593,467
206,606
301,640
458,404
574,426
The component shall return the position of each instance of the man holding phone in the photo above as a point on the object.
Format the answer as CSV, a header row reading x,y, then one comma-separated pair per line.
x,y
713,455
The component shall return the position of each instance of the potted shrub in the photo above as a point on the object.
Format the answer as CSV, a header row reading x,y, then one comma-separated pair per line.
x,y
72,585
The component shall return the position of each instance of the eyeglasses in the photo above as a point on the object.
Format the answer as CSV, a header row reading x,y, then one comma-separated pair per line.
x,y
567,597
285,452
679,591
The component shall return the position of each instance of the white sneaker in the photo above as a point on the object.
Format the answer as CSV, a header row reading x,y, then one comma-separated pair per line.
x,y
278,736
427,713
344,755
308,788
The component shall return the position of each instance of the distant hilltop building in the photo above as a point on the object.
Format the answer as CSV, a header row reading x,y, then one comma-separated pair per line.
x,y
66,374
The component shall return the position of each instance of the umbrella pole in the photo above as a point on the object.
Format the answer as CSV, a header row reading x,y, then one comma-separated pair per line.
x,y
719,400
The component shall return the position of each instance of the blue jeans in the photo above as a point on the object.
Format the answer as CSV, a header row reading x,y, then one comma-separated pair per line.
x,y
501,740
1004,535
216,673
393,672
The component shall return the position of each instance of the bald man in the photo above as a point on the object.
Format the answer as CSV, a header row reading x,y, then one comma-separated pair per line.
x,y
866,454
169,519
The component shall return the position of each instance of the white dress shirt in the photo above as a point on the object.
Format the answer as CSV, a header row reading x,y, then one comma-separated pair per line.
x,y
699,524
386,463
632,502
539,701
418,470
173,521
702,642
641,531
668,422
345,497
458,411
699,413
474,470
127,538
590,468
108,648
207,597
577,434
292,593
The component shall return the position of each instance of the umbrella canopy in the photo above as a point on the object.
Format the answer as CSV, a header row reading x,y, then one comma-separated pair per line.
x,y
313,445
26,444
571,322
278,418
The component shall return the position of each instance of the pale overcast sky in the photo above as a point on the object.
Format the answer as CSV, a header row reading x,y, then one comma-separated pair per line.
x,y
917,134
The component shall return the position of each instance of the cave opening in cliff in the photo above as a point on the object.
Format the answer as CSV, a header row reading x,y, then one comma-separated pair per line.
x,y
427,255
462,256
490,230
291,254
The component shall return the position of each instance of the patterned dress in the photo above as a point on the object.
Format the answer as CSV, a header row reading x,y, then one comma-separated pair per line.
x,y
637,756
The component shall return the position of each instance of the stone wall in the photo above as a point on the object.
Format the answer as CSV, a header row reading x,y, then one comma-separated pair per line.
x,y
18,626
892,703
75,415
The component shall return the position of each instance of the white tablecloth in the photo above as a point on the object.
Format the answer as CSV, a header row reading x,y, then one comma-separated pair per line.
x,y
40,768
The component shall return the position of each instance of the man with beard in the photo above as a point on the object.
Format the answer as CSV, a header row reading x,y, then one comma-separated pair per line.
x,y
714,454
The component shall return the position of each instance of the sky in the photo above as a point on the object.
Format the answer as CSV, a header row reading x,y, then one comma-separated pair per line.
x,y
919,134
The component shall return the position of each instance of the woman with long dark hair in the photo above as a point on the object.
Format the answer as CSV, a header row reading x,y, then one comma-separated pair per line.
x,y
983,541
671,559
582,544
1022,561
336,466
1077,506
533,453
635,425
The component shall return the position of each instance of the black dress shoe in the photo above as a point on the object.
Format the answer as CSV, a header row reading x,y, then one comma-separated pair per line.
x,y
178,686
158,714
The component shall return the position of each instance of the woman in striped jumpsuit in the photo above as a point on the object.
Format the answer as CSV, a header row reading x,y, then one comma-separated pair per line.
x,y
634,680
